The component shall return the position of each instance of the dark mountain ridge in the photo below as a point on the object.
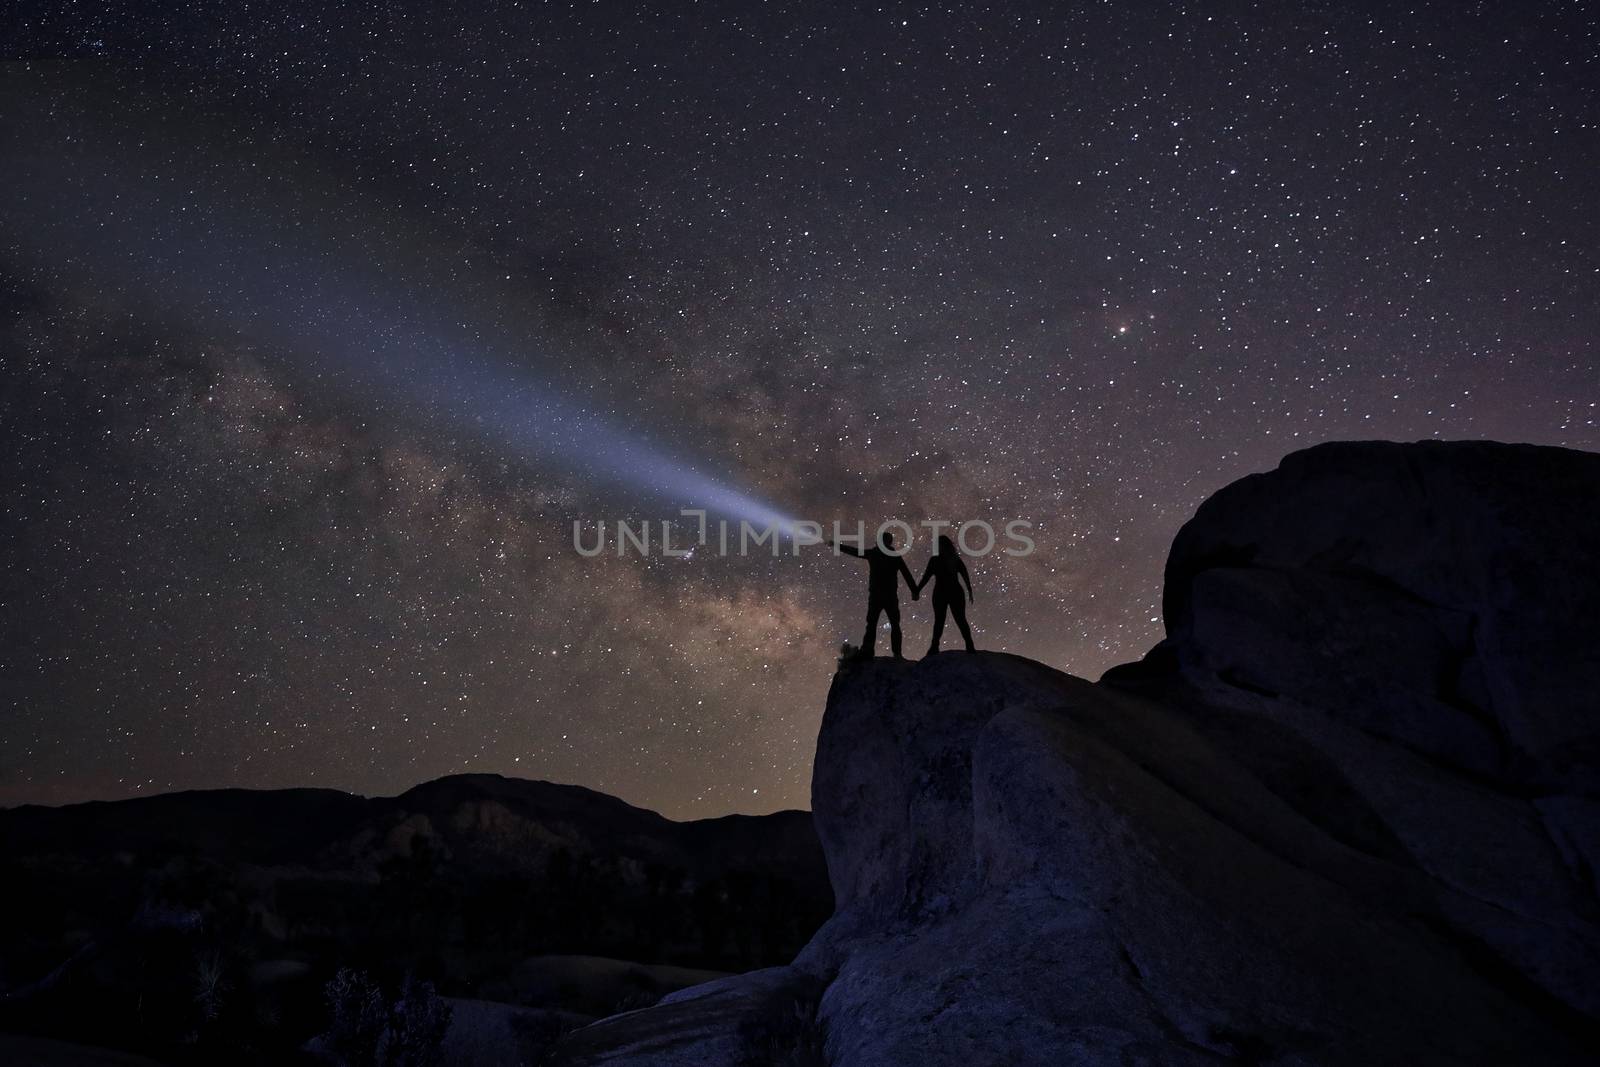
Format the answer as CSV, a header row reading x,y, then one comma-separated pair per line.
x,y
468,881
329,828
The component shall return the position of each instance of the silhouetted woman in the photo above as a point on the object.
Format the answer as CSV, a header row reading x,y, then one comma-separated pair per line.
x,y
947,572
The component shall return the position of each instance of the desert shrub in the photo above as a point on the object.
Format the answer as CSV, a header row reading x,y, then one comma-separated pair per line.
x,y
357,1018
786,1034
537,1032
848,655
210,984
419,1021
366,1029
639,998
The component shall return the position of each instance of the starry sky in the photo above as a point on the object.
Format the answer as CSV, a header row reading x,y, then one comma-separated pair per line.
x,y
321,325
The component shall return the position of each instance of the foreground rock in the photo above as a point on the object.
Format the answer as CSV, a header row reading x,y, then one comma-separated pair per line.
x,y
765,1017
1346,814
1083,875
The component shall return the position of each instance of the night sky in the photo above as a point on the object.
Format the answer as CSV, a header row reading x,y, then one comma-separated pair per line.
x,y
322,323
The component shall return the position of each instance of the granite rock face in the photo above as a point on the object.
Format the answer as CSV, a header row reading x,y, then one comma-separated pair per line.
x,y
1441,595
1347,813
1088,874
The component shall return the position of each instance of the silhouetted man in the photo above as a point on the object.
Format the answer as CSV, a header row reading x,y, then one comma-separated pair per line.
x,y
884,570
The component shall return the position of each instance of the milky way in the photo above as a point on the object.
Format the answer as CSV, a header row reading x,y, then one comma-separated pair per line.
x,y
1080,267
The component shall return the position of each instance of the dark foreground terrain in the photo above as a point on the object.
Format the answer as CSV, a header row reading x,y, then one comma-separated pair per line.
x,y
205,927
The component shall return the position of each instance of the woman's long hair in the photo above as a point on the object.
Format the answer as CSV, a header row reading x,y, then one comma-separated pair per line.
x,y
947,548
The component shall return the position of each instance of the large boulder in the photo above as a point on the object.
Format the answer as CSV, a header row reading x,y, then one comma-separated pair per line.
x,y
1078,873
1443,595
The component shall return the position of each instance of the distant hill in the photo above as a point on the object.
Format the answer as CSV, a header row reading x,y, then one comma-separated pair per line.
x,y
113,915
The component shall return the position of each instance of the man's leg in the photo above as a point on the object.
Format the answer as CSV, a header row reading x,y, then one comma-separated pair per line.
x,y
894,629
869,641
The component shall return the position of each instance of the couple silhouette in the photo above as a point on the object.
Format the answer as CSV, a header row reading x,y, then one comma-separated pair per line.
x,y
884,569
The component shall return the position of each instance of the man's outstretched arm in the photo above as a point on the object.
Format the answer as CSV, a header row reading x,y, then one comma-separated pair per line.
x,y
848,550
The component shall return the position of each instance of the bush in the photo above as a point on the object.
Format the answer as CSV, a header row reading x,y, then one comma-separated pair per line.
x,y
210,984
787,1034
367,1030
640,998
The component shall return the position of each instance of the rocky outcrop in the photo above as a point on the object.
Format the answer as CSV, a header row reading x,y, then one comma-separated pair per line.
x,y
1345,814
1077,873
1443,596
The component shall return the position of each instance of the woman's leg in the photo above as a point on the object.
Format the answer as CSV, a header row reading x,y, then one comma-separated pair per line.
x,y
938,623
958,608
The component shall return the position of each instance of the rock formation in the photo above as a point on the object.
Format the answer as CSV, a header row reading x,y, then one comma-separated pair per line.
x,y
1346,813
